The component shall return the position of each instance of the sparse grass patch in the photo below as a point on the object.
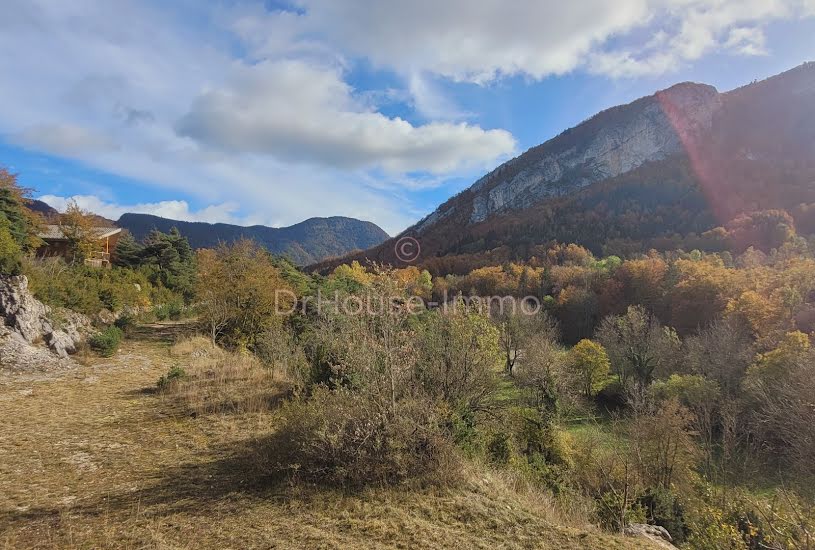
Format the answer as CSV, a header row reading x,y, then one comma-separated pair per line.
x,y
216,381
196,347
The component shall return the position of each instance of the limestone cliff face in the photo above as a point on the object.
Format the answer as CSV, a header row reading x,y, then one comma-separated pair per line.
x,y
679,162
611,143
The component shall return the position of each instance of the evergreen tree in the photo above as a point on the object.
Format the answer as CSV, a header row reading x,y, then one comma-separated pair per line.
x,y
171,261
128,252
23,224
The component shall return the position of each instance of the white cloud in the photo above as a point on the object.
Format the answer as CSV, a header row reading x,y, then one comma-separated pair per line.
x,y
65,139
747,41
484,40
175,210
693,28
301,113
472,41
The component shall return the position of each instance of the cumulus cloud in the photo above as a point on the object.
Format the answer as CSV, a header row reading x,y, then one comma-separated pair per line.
x,y
694,28
297,112
484,40
175,210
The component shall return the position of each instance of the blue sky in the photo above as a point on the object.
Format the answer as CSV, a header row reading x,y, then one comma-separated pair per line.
x,y
273,112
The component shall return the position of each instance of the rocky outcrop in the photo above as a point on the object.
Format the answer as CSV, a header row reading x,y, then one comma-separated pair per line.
x,y
611,143
28,323
655,533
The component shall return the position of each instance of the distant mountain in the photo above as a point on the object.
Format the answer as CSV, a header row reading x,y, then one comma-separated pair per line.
x,y
46,210
658,172
306,242
53,216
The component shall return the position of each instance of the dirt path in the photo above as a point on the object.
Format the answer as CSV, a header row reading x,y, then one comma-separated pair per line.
x,y
93,457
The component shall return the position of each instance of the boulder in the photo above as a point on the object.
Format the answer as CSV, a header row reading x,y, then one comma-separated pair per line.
x,y
655,533
34,322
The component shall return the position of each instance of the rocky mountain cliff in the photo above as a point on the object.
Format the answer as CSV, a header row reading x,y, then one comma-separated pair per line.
x,y
611,143
306,242
663,168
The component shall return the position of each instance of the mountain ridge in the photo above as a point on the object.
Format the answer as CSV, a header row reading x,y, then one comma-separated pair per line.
x,y
741,143
311,240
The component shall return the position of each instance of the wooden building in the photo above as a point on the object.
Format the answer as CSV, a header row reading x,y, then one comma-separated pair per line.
x,y
58,245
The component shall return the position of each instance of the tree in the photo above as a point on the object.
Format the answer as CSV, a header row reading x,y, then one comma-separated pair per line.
x,y
241,293
779,387
638,346
720,352
128,252
458,358
589,364
10,251
663,445
541,371
577,310
170,261
518,328
23,224
702,397
77,225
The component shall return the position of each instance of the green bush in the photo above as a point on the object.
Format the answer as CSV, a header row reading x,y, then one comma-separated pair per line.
x,y
663,508
86,289
498,449
611,515
106,343
171,310
126,323
175,373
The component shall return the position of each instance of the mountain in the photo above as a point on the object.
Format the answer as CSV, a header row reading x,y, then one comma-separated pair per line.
x,y
46,210
306,242
659,172
52,216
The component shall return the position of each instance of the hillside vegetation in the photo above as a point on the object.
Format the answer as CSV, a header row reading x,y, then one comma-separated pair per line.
x,y
97,457
304,243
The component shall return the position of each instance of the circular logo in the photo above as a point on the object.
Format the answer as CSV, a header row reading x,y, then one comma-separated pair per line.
x,y
407,250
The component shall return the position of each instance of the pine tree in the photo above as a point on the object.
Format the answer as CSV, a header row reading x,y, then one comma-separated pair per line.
x,y
128,252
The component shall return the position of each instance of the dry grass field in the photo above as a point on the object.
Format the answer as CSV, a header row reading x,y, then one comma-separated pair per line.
x,y
96,457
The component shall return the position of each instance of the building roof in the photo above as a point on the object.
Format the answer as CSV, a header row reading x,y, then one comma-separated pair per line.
x,y
55,233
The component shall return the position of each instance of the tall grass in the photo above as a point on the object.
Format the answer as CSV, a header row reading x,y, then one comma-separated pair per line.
x,y
219,382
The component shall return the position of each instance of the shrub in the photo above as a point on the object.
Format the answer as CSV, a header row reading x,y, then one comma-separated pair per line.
x,y
341,438
498,449
85,289
171,310
663,508
106,343
175,373
126,323
613,515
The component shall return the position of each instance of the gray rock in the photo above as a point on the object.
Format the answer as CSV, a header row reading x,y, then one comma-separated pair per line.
x,y
28,321
613,142
652,532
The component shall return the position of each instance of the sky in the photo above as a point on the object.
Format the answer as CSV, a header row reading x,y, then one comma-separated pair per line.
x,y
273,112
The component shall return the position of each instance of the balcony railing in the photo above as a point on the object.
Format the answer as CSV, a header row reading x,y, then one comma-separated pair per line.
x,y
98,259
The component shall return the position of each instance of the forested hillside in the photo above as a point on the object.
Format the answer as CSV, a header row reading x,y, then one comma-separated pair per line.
x,y
303,243
688,185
